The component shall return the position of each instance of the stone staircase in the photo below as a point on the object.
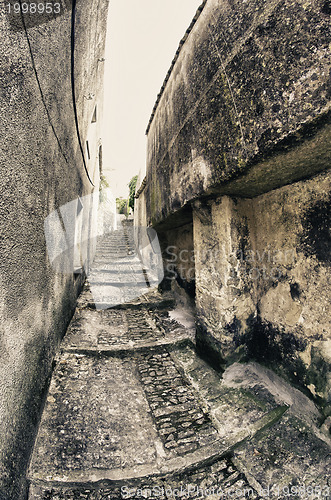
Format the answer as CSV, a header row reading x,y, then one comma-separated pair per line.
x,y
117,275
133,412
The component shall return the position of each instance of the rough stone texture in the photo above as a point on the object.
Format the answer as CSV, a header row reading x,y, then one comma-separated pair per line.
x,y
181,423
155,422
42,169
224,297
251,82
262,281
178,256
240,136
294,305
96,418
212,481
151,300
112,330
291,461
237,410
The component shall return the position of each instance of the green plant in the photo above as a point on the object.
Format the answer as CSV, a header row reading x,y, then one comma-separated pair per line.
x,y
122,205
132,189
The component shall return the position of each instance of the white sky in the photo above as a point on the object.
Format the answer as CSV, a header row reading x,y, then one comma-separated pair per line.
x,y
143,36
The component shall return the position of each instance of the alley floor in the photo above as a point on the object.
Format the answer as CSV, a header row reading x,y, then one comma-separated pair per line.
x,y
133,412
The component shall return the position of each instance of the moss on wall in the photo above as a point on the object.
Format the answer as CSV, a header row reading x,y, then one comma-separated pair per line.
x,y
250,82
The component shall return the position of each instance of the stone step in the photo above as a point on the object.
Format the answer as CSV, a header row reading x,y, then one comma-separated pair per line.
x,y
292,461
109,257
219,479
117,276
124,330
115,259
113,421
108,295
117,281
119,270
113,247
133,412
104,254
152,299
172,438
125,262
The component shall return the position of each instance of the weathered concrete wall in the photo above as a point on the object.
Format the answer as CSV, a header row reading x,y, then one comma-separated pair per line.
x,y
294,299
262,268
140,215
179,258
224,296
42,169
240,133
250,83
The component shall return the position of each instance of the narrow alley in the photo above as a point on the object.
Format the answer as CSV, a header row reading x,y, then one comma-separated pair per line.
x,y
133,412
182,350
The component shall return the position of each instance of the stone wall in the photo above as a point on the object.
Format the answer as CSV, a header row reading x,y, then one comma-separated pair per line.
x,y
249,84
262,284
42,169
238,145
224,295
294,299
179,258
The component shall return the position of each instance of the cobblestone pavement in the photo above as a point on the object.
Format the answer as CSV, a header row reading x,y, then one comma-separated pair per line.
x,y
179,420
132,412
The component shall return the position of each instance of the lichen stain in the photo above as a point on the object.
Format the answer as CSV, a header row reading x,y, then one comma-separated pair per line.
x,y
315,239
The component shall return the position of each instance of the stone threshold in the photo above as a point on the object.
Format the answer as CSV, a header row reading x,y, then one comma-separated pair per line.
x,y
121,350
204,456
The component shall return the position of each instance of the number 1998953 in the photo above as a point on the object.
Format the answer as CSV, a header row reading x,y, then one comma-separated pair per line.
x,y
34,8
